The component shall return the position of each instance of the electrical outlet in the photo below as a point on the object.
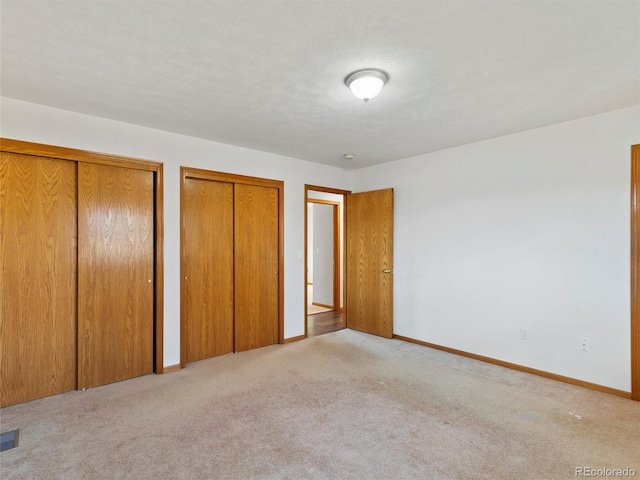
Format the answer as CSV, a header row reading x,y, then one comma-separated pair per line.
x,y
524,333
584,344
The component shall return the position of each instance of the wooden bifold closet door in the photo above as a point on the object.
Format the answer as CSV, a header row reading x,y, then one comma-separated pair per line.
x,y
38,277
78,285
231,268
115,274
208,267
256,266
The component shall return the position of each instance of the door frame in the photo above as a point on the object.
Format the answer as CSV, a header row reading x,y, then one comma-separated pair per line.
x,y
635,272
336,249
339,287
202,174
75,155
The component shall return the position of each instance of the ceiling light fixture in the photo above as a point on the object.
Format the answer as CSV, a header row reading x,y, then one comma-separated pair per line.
x,y
366,84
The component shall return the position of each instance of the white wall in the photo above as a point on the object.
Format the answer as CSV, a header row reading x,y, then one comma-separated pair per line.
x,y
529,230
35,123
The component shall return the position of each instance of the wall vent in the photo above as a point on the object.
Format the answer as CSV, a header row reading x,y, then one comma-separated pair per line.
x,y
9,440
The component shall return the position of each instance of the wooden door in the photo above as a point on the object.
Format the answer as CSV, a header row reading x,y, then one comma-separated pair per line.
x,y
256,266
369,255
38,241
115,273
208,267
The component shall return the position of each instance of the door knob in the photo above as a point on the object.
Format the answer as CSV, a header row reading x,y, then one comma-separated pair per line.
x,y
387,270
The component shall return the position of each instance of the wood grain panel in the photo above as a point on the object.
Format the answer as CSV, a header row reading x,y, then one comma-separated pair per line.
x,y
208,267
64,153
38,241
256,224
115,273
41,150
189,172
635,272
369,252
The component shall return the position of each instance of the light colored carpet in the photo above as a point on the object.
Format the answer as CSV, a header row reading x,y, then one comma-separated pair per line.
x,y
345,405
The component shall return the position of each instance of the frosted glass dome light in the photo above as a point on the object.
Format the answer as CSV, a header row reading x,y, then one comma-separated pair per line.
x,y
366,84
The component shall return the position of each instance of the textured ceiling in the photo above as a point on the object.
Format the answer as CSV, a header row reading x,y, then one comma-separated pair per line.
x,y
269,75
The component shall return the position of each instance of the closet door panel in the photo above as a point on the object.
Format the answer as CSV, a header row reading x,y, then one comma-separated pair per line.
x,y
208,251
38,241
115,273
256,266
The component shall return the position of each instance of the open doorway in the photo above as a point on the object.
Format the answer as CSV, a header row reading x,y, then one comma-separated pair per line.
x,y
323,256
324,260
